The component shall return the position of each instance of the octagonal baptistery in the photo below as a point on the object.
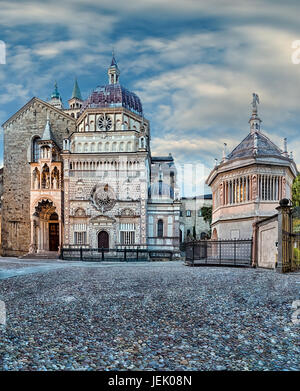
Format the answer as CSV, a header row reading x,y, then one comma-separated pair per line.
x,y
248,183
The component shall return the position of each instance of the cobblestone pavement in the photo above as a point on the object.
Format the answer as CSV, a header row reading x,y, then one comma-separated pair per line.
x,y
152,316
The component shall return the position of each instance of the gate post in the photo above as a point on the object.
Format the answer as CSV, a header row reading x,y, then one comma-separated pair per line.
x,y
254,255
81,253
102,251
284,236
125,258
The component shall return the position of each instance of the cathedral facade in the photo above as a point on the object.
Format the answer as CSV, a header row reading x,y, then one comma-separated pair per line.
x,y
85,176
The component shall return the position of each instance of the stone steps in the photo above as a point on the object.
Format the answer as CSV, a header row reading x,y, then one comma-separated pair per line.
x,y
43,255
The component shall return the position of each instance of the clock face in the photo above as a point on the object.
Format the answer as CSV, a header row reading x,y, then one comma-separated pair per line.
x,y
104,123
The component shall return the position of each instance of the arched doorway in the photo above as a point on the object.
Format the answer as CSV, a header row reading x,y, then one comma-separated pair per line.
x,y
45,235
103,240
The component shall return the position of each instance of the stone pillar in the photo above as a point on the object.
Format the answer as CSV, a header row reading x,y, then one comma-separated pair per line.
x,y
254,244
284,228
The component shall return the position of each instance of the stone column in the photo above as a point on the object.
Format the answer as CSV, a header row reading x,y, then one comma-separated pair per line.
x,y
260,187
254,244
284,228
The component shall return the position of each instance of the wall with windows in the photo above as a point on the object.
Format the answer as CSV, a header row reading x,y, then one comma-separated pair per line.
x,y
163,226
191,219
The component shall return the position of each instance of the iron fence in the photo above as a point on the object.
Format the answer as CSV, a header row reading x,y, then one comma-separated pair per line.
x,y
290,252
289,239
219,252
105,254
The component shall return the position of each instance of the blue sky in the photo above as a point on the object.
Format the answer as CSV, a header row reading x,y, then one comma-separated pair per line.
x,y
194,64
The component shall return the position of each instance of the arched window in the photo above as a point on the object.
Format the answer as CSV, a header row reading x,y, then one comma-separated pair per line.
x,y
45,177
160,228
35,150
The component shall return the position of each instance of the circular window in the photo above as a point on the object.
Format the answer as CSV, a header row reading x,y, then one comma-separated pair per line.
x,y
103,197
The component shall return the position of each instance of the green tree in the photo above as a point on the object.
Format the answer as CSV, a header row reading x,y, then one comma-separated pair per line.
x,y
207,213
296,191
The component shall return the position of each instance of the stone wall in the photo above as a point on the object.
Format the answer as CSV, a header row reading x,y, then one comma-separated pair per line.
x,y
187,223
19,131
266,239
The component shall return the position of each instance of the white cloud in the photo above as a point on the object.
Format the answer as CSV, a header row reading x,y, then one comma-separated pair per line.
x,y
54,49
213,99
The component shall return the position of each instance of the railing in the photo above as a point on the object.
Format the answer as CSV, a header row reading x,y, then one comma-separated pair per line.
x,y
105,254
219,252
290,252
288,238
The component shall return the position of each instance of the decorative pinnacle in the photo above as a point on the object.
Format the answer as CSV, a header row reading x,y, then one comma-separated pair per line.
x,y
254,121
255,100
55,93
224,151
285,145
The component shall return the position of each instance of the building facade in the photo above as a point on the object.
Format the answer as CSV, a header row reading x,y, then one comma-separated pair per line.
x,y
249,182
192,222
85,177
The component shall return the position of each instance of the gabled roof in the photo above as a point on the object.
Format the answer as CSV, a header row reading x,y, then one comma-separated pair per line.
x,y
48,105
255,144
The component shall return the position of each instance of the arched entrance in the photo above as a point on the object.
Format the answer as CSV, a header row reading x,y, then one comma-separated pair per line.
x,y
45,228
103,240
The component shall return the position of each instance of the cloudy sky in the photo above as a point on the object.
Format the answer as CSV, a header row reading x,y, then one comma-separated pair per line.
x,y
194,64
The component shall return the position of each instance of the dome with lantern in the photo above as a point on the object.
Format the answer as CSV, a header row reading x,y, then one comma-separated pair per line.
x,y
113,94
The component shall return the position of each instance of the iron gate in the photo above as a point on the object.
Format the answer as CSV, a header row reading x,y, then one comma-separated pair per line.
x,y
219,252
290,239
